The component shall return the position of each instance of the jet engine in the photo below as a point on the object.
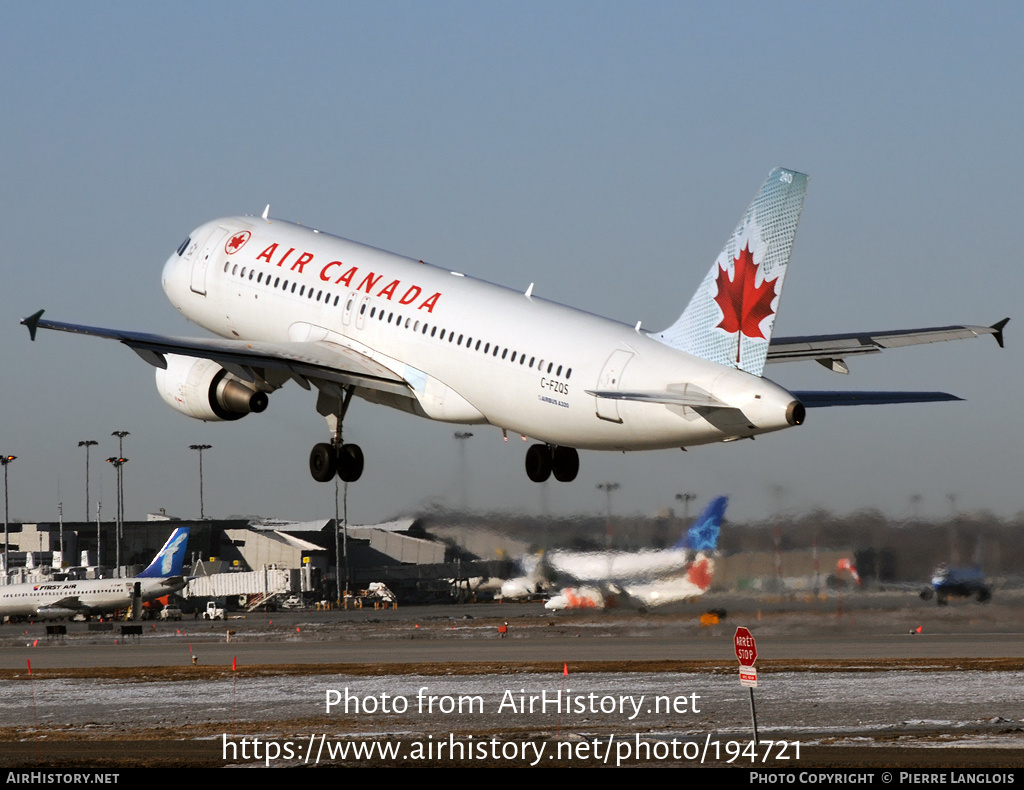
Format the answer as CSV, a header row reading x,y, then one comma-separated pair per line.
x,y
203,390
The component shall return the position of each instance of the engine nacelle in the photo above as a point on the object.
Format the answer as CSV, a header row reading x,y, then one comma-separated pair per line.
x,y
202,389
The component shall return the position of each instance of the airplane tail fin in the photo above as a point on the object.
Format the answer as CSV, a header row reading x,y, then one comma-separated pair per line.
x,y
170,559
703,534
730,318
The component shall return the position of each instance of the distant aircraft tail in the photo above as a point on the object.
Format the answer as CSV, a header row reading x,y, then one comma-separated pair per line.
x,y
730,318
170,559
703,535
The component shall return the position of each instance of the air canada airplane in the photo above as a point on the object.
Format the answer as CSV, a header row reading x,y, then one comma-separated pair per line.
x,y
293,303
53,600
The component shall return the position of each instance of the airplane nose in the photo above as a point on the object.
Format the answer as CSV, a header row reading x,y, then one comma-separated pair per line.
x,y
168,272
171,275
176,268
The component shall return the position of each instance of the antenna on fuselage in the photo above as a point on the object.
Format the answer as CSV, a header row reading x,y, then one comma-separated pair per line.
x,y
529,291
266,213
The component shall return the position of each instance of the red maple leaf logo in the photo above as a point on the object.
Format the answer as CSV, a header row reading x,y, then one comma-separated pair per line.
x,y
744,305
235,243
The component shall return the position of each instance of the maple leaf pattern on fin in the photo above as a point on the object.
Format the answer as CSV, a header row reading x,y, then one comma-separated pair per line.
x,y
699,573
744,305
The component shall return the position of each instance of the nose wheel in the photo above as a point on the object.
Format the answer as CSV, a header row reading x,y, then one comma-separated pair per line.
x,y
543,460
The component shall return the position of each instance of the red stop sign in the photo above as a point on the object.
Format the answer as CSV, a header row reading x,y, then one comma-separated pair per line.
x,y
746,650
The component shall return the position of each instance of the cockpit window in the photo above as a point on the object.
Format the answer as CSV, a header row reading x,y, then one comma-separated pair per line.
x,y
184,246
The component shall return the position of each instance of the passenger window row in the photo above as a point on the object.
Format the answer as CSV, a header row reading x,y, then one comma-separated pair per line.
x,y
264,279
423,327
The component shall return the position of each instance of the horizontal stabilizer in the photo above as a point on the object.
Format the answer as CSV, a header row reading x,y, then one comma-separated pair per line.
x,y
819,400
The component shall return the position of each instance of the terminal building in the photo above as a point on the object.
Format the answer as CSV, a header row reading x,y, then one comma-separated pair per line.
x,y
244,557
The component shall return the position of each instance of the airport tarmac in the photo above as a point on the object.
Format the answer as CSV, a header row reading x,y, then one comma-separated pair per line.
x,y
850,686
786,629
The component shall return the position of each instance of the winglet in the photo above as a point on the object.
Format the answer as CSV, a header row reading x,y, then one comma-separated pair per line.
x,y
997,330
32,322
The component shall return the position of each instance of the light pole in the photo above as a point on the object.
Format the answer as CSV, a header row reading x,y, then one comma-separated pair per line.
x,y
118,462
60,513
5,460
461,437
120,489
87,443
608,488
686,499
954,549
200,448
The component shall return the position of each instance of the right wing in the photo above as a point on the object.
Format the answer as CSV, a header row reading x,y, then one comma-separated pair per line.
x,y
831,350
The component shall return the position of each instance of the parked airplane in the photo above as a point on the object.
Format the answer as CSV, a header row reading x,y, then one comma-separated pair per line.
x,y
950,582
293,303
646,579
53,600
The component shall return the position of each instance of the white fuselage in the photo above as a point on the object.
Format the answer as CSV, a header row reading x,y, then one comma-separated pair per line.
x,y
618,566
68,598
471,351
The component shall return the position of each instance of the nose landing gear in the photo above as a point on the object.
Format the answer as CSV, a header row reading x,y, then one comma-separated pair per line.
x,y
543,460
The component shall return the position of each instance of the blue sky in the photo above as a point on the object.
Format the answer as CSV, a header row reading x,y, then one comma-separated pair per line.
x,y
603,151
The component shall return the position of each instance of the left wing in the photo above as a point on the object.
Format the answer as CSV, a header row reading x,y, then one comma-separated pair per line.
x,y
63,607
310,359
831,350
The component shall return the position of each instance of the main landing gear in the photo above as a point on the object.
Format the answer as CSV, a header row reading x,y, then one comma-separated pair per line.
x,y
345,460
543,460
336,457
